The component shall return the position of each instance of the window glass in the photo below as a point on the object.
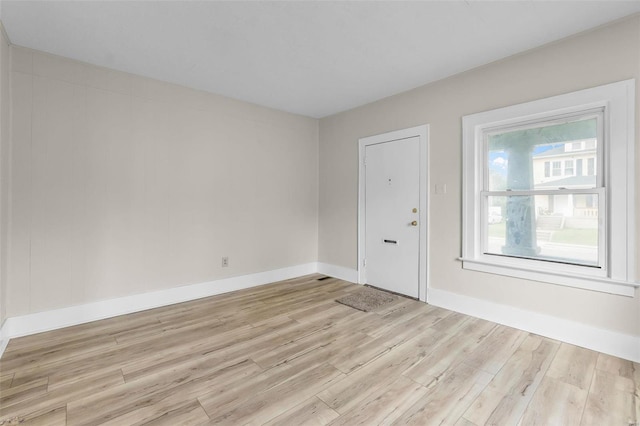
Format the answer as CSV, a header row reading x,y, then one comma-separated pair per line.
x,y
514,156
568,167
559,225
556,237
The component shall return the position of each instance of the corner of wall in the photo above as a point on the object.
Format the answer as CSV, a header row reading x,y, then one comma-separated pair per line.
x,y
4,339
5,36
5,67
340,272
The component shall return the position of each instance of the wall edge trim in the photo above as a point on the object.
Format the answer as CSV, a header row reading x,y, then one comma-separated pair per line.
x,y
606,341
4,339
336,271
601,340
74,315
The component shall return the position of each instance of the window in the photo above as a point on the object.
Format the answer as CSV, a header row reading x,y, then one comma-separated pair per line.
x,y
567,229
568,167
537,228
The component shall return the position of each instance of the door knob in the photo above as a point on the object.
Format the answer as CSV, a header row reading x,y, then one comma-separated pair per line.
x,y
414,223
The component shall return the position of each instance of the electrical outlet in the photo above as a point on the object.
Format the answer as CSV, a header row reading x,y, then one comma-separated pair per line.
x,y
225,261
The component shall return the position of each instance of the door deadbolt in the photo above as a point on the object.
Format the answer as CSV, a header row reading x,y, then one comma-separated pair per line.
x,y
414,210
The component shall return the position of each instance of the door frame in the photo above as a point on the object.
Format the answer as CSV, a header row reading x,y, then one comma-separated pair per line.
x,y
422,132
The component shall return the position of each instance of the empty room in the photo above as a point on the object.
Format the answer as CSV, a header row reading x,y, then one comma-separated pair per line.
x,y
319,212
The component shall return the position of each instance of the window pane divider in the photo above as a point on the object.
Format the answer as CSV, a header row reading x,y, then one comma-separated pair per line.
x,y
559,191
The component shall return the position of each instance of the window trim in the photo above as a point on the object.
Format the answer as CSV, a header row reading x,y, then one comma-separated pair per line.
x,y
618,101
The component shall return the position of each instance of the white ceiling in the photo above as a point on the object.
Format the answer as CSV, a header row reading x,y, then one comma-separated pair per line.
x,y
310,58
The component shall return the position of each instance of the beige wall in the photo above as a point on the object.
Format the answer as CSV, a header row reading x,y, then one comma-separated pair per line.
x,y
124,185
5,70
601,56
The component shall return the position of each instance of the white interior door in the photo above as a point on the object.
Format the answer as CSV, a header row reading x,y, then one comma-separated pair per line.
x,y
392,219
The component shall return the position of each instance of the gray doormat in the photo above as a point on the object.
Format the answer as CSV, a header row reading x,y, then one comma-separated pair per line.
x,y
367,299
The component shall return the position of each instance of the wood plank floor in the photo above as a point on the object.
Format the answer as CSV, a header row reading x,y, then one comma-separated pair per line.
x,y
288,354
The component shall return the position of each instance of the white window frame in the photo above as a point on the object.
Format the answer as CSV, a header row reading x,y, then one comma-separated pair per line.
x,y
618,274
599,190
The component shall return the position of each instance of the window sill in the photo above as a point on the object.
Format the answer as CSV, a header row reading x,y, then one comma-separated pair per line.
x,y
604,285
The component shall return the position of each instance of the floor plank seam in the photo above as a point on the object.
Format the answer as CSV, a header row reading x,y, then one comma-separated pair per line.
x,y
586,401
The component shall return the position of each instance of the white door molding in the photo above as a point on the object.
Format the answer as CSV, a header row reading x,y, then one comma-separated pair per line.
x,y
422,132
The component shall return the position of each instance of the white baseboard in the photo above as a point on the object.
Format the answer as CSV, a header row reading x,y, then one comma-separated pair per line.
x,y
74,315
4,339
616,344
340,272
605,341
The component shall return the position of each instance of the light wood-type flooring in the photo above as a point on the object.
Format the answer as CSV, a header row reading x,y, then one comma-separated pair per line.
x,y
288,354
